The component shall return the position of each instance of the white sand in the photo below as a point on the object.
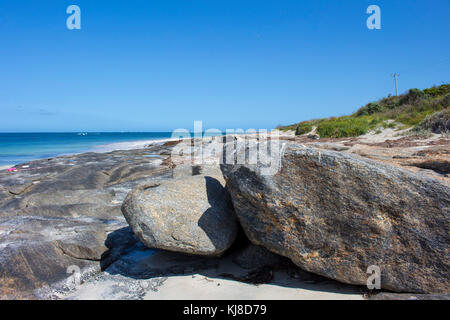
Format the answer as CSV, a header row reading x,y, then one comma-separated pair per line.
x,y
199,287
207,284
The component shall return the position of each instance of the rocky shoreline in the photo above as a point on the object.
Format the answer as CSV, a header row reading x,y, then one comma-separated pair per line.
x,y
335,207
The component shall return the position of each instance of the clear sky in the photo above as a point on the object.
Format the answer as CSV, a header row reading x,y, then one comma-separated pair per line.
x,y
144,65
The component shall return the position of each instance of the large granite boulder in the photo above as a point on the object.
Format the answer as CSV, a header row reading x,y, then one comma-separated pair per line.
x,y
191,215
335,215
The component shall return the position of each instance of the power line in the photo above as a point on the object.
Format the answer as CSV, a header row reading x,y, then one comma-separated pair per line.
x,y
415,69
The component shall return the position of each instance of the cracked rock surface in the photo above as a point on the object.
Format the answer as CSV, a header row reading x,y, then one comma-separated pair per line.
x,y
336,214
58,213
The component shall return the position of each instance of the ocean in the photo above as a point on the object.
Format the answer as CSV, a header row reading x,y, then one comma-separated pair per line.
x,y
16,148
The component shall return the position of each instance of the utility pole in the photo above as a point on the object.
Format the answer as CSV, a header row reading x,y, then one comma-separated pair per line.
x,y
396,75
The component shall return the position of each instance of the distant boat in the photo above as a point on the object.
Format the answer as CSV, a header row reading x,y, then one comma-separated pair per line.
x,y
82,134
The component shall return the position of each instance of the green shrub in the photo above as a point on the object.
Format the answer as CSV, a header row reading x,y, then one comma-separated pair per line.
x,y
445,101
392,125
438,122
287,128
412,97
343,127
438,91
370,109
303,128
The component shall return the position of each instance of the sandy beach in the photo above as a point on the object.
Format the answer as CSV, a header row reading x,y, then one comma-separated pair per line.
x,y
205,284
202,288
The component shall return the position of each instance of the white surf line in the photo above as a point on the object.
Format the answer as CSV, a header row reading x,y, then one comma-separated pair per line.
x,y
130,145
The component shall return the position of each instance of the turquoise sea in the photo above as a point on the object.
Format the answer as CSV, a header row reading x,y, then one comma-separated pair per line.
x,y
16,148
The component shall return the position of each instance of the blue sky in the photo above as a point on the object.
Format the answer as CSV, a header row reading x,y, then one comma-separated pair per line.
x,y
159,65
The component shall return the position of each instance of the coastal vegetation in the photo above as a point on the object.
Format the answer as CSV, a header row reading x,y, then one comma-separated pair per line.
x,y
414,109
